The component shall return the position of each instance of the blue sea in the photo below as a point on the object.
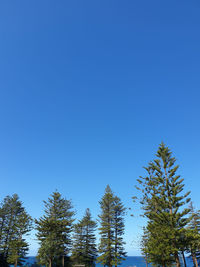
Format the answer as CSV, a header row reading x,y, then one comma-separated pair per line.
x,y
134,261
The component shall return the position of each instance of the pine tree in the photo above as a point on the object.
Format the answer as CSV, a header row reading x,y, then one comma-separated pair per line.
x,y
84,247
112,229
54,230
15,224
163,203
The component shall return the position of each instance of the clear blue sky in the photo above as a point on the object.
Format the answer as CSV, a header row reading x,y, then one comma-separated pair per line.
x,y
88,90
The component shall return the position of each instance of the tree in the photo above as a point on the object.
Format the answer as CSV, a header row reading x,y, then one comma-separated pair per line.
x,y
112,229
84,246
15,223
163,202
54,230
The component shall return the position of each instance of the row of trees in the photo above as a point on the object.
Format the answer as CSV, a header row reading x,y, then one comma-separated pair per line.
x,y
58,235
173,226
62,242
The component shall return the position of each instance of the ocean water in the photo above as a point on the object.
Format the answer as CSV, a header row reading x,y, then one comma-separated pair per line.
x,y
134,261
131,262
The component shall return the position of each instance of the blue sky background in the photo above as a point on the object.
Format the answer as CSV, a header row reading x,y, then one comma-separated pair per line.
x,y
88,90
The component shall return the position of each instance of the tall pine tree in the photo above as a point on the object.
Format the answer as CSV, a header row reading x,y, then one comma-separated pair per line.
x,y
15,224
163,202
54,230
111,247
84,245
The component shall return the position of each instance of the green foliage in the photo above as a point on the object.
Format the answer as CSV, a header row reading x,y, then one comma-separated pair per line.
x,y
84,246
119,228
54,230
111,247
17,251
158,247
163,200
15,224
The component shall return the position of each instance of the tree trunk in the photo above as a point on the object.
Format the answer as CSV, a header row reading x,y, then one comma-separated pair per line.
x,y
63,261
184,262
177,260
194,258
50,263
115,245
15,263
196,261
146,261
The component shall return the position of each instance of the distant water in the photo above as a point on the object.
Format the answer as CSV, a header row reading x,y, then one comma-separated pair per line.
x,y
129,262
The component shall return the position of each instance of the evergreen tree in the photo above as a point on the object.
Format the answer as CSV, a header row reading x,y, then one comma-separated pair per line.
x,y
15,224
163,203
106,248
112,229
54,230
84,247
